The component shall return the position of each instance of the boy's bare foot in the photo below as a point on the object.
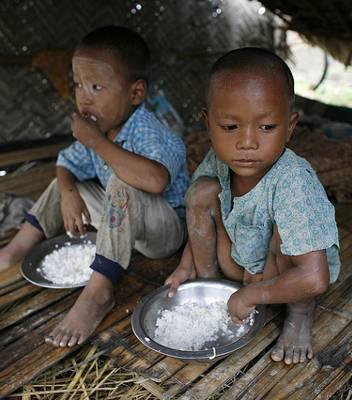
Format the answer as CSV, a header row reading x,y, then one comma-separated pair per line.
x,y
95,301
24,241
294,344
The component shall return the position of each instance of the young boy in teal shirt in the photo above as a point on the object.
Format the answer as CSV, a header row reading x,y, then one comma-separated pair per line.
x,y
255,210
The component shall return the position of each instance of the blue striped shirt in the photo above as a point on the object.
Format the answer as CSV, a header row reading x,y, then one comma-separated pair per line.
x,y
142,134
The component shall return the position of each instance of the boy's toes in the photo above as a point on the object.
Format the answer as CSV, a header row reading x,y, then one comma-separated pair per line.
x,y
278,352
65,340
61,339
49,339
306,354
303,357
288,356
310,352
75,339
54,339
82,339
297,355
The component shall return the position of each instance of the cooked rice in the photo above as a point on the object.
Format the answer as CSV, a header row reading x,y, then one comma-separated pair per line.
x,y
70,264
194,327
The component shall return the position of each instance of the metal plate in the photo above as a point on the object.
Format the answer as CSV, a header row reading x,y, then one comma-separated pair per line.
x,y
200,291
33,260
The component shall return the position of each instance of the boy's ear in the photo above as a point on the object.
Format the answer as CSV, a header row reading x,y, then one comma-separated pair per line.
x,y
139,92
205,117
292,124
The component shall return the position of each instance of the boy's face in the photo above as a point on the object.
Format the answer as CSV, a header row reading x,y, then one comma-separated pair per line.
x,y
102,90
249,121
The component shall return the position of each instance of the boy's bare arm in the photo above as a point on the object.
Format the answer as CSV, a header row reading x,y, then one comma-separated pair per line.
x,y
135,170
307,278
73,207
184,271
66,180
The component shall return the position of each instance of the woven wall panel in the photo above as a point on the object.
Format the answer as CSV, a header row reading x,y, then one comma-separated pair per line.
x,y
185,38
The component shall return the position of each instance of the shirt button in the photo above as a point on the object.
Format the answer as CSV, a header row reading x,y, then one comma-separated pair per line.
x,y
105,167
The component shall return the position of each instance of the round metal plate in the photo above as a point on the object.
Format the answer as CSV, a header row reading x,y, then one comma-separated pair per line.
x,y
32,262
201,291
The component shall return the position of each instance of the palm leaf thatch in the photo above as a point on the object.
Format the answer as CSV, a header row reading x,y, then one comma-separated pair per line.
x,y
324,23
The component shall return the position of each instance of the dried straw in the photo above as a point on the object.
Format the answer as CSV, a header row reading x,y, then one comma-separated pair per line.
x,y
86,376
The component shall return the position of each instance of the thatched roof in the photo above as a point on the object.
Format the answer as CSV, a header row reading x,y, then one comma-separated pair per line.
x,y
325,23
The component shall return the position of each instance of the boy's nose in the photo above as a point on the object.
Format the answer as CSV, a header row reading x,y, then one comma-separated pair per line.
x,y
84,98
247,140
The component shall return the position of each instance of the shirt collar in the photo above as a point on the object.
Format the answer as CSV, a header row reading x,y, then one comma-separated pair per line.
x,y
127,128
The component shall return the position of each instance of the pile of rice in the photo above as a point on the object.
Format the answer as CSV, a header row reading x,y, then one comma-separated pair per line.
x,y
69,265
193,326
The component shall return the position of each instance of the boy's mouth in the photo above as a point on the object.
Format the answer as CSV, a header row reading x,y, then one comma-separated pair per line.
x,y
90,116
246,162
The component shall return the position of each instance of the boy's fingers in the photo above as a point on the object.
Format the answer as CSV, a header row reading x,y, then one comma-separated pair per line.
x,y
66,227
168,281
236,320
71,227
86,217
80,226
174,284
172,292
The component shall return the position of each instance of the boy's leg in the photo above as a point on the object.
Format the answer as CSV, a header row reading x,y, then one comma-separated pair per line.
x,y
47,209
211,245
127,211
163,232
45,221
211,248
294,343
26,238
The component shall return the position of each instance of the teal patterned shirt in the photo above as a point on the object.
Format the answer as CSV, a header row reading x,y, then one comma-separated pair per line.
x,y
289,195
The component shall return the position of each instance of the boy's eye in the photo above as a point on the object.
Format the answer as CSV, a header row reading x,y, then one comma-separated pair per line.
x,y
267,127
97,88
77,85
229,127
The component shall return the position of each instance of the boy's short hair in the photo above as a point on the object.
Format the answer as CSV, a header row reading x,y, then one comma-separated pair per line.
x,y
129,47
255,58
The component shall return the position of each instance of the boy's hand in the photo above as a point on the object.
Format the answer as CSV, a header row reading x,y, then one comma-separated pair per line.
x,y
85,130
240,306
180,275
73,210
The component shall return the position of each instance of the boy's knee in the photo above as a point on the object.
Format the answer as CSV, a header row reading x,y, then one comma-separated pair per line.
x,y
203,192
115,183
117,194
120,199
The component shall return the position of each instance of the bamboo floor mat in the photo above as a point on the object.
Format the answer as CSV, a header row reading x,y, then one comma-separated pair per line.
x,y
28,313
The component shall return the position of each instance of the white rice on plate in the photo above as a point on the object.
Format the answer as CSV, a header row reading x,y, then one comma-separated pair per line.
x,y
69,265
192,326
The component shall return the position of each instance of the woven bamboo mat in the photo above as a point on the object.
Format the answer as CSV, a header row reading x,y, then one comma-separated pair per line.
x,y
28,313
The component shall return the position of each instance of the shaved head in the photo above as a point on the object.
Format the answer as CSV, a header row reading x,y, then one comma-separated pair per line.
x,y
128,46
254,60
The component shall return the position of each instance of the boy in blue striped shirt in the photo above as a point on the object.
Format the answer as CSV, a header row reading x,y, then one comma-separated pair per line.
x,y
141,171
